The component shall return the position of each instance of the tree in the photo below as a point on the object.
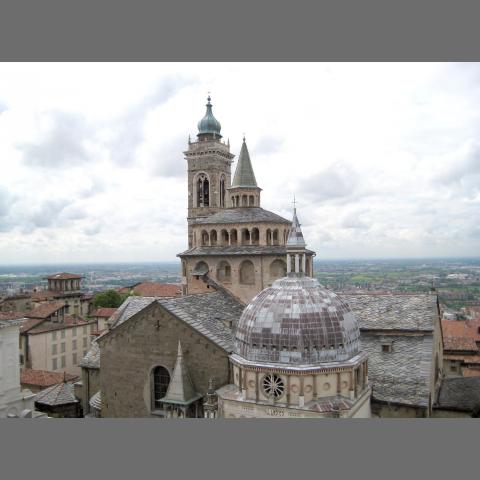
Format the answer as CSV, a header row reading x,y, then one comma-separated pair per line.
x,y
110,298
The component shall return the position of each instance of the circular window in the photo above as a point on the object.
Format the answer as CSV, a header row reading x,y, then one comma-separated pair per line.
x,y
273,386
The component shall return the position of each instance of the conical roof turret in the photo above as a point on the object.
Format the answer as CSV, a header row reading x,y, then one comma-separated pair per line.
x,y
244,176
295,237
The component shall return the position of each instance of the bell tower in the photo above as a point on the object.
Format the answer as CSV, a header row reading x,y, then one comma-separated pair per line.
x,y
209,170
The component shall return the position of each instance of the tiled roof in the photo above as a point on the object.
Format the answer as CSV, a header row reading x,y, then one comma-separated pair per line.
x,y
153,289
470,359
68,322
64,276
208,313
128,308
60,394
27,325
44,378
96,401
462,393
92,358
42,295
103,312
242,215
45,310
471,372
402,375
238,250
393,311
461,334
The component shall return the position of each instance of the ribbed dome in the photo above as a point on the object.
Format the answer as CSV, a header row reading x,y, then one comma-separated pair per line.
x,y
297,321
209,124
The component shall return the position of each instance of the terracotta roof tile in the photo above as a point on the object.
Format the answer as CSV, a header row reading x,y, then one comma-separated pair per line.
x,y
45,310
152,289
461,334
103,312
69,322
44,378
63,276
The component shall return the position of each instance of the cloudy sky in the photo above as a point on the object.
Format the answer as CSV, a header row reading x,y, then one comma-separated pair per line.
x,y
384,159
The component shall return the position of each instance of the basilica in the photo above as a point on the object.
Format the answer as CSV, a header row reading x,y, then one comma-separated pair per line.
x,y
254,334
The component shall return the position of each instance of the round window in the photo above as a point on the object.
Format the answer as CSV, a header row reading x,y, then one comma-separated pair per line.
x,y
273,386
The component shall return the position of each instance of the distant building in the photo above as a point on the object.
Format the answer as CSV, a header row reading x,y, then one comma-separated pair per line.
x,y
461,344
153,289
54,341
101,316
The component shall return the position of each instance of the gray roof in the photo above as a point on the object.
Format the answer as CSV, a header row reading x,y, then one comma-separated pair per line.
x,y
238,250
92,358
242,215
462,393
297,321
295,237
96,401
402,375
393,311
128,308
244,176
59,394
208,313
180,389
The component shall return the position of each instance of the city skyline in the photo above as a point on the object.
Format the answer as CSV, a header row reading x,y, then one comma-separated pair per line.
x,y
382,158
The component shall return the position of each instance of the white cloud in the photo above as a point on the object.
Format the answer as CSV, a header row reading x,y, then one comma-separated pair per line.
x,y
383,158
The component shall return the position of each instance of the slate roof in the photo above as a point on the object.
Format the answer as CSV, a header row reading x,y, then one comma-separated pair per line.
x,y
402,375
242,215
128,308
60,394
45,310
209,313
43,378
462,393
92,358
238,250
393,311
96,401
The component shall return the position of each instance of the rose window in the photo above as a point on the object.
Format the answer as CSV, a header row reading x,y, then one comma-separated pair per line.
x,y
273,386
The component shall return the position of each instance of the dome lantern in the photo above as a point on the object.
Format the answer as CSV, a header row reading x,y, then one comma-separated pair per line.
x,y
209,127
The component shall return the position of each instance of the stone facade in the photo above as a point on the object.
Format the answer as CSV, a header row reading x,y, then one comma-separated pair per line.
x,y
131,351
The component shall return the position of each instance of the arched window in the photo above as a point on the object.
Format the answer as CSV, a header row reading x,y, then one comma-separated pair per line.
x,y
161,380
307,266
244,201
233,237
245,236
269,236
205,238
251,200
233,201
224,271
255,236
203,191
200,268
247,273
213,237
224,237
278,269
222,191
275,237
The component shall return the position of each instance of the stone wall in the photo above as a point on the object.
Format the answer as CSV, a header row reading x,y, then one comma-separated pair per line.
x,y
149,339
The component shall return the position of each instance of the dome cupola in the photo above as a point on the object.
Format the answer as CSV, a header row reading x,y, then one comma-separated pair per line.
x,y
209,126
297,320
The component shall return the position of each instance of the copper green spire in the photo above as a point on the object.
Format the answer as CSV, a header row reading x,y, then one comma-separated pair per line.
x,y
209,125
244,176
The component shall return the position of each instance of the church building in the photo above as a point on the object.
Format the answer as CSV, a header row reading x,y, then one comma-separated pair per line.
x,y
254,334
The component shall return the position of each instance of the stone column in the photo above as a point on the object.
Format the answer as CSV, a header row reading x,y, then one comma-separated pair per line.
x,y
301,397
304,264
250,235
297,263
289,263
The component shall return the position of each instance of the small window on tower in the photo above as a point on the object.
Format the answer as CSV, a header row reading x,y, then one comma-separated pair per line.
x,y
387,347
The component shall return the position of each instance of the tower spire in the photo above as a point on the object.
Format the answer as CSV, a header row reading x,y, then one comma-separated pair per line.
x,y
296,254
244,176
